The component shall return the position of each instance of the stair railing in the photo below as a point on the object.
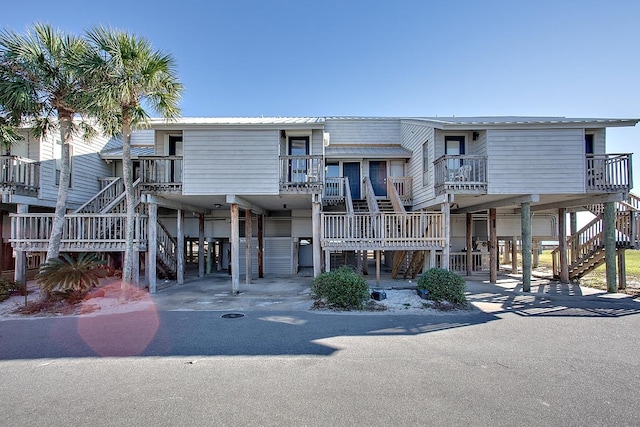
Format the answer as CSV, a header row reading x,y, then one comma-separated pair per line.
x,y
393,195
347,196
581,244
167,245
103,198
370,196
119,204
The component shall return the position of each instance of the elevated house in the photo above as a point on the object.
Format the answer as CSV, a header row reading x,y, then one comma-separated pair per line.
x,y
273,196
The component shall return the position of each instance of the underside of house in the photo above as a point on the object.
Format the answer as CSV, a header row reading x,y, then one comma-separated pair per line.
x,y
281,196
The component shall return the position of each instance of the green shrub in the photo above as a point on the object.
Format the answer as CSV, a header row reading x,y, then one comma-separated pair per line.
x,y
443,285
68,274
342,288
9,287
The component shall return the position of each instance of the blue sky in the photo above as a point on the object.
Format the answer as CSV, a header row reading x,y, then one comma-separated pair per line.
x,y
574,58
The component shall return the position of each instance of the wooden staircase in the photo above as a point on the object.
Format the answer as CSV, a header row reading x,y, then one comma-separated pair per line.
x,y
407,263
586,248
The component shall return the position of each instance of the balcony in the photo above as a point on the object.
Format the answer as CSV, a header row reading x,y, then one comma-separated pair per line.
x,y
608,173
161,174
19,176
301,174
461,174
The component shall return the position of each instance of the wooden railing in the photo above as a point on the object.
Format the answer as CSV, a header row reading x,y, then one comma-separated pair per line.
x,y
458,261
461,174
161,174
404,188
108,194
119,204
81,232
609,172
334,189
19,175
393,195
370,196
167,245
301,173
391,231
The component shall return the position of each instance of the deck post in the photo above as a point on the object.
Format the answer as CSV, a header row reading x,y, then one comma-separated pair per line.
x,y
135,268
622,269
248,228
365,263
327,261
209,263
536,253
573,229
201,245
316,221
445,208
469,244
235,249
20,268
377,267
260,246
562,245
525,218
493,247
152,248
180,247
506,255
610,245
514,255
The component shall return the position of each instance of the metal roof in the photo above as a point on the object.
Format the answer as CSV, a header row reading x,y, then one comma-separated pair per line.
x,y
366,152
522,121
240,121
136,151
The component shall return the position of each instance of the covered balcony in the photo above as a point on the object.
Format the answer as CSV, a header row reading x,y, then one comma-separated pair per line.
x,y
301,174
161,174
19,175
608,173
461,174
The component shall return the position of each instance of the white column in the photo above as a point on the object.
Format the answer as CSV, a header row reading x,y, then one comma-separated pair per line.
x,y
20,268
316,220
201,245
235,246
152,248
180,248
247,253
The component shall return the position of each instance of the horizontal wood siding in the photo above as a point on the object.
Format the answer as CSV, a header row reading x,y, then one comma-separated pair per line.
x,y
316,142
539,161
363,131
230,162
413,137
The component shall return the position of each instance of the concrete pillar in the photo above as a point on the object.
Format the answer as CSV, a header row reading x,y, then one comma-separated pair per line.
x,y
316,220
610,245
514,255
525,220
260,246
248,228
536,253
201,245
622,269
180,247
493,247
235,248
152,248
210,252
562,245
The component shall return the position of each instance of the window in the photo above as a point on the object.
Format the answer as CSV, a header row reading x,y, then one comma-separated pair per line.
x,y
425,163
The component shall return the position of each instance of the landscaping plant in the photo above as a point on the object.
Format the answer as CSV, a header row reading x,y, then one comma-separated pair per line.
x,y
69,274
443,285
342,288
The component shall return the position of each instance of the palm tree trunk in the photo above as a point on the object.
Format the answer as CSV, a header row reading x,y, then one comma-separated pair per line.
x,y
127,175
53,250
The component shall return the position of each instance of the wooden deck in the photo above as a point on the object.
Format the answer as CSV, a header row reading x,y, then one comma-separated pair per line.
x,y
19,175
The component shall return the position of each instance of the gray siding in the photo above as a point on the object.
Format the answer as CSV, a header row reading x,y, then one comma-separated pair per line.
x,y
413,137
364,131
540,161
230,162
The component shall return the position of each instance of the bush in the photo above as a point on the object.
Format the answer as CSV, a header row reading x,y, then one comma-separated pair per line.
x,y
443,285
342,288
9,287
68,274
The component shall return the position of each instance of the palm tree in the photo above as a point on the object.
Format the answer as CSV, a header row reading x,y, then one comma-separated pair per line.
x,y
129,76
40,83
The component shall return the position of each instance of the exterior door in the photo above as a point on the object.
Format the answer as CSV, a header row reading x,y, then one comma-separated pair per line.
x,y
298,146
351,170
378,177
453,146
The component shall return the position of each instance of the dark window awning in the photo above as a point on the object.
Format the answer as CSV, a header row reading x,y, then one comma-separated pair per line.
x,y
366,152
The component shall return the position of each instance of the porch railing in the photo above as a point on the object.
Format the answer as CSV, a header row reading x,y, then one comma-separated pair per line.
x,y
391,231
461,174
337,190
167,245
19,175
404,187
301,173
108,193
609,172
161,174
458,261
81,232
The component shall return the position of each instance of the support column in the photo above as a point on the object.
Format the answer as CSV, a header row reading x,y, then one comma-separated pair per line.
x,y
610,245
210,252
327,262
622,269
260,246
445,208
514,255
493,247
525,219
152,248
536,253
377,267
235,249
316,220
469,244
248,228
573,229
201,245
506,255
135,268
365,263
20,267
180,247
562,245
